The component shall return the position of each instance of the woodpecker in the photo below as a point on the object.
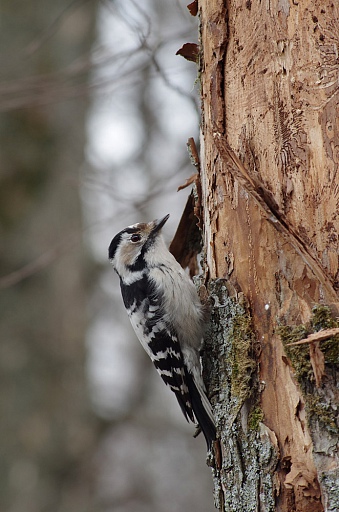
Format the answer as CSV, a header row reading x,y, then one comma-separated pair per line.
x,y
167,316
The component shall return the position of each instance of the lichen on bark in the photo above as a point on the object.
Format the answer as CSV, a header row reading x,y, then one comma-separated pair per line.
x,y
248,455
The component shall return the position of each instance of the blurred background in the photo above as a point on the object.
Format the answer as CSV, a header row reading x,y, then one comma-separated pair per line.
x,y
96,110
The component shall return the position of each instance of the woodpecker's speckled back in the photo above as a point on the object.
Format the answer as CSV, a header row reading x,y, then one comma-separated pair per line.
x,y
166,314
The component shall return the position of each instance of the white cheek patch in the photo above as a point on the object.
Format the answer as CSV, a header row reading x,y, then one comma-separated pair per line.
x,y
130,254
126,254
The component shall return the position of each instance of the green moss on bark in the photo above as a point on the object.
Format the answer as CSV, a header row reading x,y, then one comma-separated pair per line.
x,y
255,418
322,319
317,407
244,480
243,364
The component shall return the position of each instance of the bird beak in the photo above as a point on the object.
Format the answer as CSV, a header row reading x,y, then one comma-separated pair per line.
x,y
158,224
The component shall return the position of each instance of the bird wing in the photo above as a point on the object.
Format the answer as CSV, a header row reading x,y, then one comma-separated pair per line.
x,y
158,339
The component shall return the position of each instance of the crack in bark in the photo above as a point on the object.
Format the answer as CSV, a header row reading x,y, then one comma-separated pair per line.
x,y
272,214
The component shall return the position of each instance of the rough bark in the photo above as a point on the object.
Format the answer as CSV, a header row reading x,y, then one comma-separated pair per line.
x,y
270,194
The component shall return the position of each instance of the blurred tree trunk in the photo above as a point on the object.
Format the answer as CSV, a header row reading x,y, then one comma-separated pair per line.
x,y
270,190
47,431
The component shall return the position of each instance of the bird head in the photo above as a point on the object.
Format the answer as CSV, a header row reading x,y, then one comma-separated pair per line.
x,y
128,249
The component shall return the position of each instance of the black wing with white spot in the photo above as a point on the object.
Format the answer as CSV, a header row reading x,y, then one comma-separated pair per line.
x,y
158,339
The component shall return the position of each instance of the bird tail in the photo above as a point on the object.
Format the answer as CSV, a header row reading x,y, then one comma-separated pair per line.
x,y
202,410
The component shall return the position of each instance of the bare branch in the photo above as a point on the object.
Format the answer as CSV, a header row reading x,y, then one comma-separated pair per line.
x,y
39,263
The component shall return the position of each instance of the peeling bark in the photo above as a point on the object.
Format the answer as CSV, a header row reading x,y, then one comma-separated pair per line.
x,y
270,195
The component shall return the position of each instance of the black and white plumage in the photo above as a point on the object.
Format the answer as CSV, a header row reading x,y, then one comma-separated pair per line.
x,y
166,314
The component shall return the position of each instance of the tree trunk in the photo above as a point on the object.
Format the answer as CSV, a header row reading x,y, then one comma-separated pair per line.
x,y
270,191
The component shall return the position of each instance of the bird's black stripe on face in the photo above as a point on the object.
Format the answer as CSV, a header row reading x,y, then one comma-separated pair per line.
x,y
117,239
140,263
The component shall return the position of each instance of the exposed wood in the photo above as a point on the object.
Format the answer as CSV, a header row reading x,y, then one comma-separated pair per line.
x,y
270,210
270,191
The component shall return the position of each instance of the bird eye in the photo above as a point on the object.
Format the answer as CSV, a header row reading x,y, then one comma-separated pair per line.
x,y
135,238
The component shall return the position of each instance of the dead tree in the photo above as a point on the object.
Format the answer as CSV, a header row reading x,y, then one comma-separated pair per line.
x,y
269,211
